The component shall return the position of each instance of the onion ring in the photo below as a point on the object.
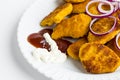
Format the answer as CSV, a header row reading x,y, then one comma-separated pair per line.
x,y
100,34
102,15
118,1
116,41
111,0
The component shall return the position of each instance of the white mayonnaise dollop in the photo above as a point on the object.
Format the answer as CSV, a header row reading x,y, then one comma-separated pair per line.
x,y
54,56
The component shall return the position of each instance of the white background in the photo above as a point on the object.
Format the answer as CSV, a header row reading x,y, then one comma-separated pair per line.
x,y
12,64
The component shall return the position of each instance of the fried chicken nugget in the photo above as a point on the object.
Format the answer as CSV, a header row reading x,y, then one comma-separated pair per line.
x,y
73,49
98,58
75,27
80,7
57,15
104,38
74,1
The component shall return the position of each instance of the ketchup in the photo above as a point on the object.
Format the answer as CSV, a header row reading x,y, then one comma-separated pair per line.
x,y
49,31
38,41
62,44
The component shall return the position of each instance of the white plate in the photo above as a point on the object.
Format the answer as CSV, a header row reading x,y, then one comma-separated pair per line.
x,y
70,70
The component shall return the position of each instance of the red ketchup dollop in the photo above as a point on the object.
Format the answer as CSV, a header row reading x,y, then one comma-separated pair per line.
x,y
38,41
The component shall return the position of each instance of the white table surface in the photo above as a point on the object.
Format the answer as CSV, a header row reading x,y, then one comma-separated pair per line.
x,y
13,66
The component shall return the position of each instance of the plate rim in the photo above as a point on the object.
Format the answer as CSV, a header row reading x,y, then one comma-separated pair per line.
x,y
34,66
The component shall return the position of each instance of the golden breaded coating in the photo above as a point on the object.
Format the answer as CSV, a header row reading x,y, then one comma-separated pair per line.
x,y
73,49
104,38
57,15
93,9
74,1
80,7
103,25
75,27
98,58
111,44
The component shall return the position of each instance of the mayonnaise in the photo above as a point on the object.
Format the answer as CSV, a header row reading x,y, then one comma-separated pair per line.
x,y
54,56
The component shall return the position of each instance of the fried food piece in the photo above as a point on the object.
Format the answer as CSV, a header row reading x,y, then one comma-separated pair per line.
x,y
73,49
57,15
80,7
111,44
75,27
98,58
103,25
104,38
74,1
